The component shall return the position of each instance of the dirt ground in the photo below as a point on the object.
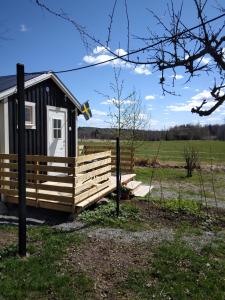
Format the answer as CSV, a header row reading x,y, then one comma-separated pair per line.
x,y
7,238
109,253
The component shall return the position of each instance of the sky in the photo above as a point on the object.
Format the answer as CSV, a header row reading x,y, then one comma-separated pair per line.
x,y
41,41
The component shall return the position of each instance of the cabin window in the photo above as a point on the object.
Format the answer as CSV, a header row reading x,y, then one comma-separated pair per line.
x,y
30,120
57,128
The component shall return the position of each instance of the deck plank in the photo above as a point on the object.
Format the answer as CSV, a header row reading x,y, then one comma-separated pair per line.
x,y
94,198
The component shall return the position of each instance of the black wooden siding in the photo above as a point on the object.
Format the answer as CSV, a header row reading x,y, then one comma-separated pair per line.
x,y
43,94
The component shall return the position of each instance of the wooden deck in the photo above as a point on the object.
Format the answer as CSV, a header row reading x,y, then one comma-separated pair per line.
x,y
92,198
59,183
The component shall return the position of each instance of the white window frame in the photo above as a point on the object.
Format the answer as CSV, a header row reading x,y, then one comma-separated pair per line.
x,y
57,128
31,125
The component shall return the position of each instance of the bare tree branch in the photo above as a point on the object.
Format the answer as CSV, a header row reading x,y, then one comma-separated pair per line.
x,y
198,49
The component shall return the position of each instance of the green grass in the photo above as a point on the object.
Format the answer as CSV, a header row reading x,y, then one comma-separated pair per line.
x,y
172,174
105,215
178,272
172,270
179,176
40,275
182,205
172,151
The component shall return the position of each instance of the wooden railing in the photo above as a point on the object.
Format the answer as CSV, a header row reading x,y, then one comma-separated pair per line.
x,y
57,183
126,155
93,173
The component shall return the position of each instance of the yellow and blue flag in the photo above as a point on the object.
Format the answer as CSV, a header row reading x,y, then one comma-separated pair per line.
x,y
86,111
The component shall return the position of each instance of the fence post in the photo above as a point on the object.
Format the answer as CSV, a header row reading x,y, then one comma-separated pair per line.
x,y
74,184
21,160
1,178
118,183
36,180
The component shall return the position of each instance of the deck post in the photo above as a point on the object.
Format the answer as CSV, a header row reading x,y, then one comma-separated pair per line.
x,y
36,181
118,177
74,184
1,178
21,160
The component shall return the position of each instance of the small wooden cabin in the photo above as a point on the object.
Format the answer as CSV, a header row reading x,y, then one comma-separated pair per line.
x,y
51,112
56,177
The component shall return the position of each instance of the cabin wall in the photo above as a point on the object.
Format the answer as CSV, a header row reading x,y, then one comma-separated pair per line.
x,y
43,94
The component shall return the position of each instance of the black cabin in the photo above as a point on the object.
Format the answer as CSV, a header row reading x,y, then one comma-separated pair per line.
x,y
51,112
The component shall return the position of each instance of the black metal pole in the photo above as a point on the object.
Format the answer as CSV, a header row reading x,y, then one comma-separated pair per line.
x,y
21,160
118,183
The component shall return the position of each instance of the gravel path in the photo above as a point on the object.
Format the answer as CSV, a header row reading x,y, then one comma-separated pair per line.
x,y
118,234
154,235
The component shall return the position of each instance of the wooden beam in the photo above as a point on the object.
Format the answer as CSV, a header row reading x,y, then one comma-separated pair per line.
x,y
86,158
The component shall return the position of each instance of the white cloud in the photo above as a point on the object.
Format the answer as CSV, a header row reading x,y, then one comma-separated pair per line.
x,y
99,49
142,69
90,59
177,76
23,28
196,100
202,95
204,60
154,123
142,116
187,106
116,101
100,54
186,87
120,52
149,97
92,122
99,112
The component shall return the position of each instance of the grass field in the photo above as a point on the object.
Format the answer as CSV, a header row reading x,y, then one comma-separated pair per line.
x,y
138,256
172,151
170,184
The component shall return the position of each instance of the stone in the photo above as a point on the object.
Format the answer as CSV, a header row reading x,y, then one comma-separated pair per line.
x,y
103,201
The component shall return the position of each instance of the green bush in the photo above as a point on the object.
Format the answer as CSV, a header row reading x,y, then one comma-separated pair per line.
x,y
181,205
106,214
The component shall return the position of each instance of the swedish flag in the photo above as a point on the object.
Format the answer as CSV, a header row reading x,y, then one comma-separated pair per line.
x,y
86,111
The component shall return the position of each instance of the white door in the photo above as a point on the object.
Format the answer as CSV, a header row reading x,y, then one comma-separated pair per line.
x,y
57,131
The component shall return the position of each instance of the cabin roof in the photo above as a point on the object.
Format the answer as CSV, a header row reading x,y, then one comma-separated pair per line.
x,y
8,85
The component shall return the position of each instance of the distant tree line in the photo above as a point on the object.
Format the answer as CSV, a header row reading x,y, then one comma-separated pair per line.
x,y
182,132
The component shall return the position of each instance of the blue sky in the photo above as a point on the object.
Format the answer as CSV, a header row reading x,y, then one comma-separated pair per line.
x,y
43,42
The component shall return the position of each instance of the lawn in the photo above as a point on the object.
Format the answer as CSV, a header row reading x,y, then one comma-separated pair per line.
x,y
172,151
206,187
149,252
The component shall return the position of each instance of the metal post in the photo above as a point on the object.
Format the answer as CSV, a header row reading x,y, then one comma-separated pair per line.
x,y
118,183
21,160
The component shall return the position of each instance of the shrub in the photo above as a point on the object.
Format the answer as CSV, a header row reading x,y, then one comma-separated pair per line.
x,y
191,157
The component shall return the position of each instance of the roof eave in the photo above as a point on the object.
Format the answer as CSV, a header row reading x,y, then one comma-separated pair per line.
x,y
38,79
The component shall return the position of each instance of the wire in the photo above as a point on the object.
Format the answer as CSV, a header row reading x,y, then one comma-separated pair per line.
x,y
131,52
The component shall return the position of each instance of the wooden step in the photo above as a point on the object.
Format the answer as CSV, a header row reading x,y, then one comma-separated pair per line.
x,y
132,185
91,200
112,187
142,190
